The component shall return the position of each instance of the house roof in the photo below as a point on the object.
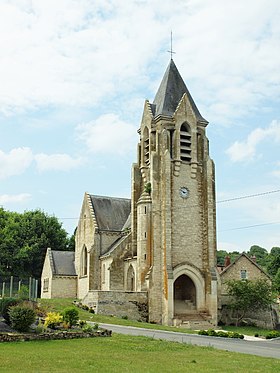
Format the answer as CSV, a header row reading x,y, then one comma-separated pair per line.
x,y
63,262
248,258
111,213
170,92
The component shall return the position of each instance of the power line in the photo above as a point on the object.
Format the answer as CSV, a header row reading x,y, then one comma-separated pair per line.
x,y
249,226
221,201
249,196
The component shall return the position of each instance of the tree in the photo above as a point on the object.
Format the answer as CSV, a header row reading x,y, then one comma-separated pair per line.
x,y
276,281
261,255
248,296
274,261
24,240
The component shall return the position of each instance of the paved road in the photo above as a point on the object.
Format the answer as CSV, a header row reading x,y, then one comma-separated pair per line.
x,y
267,348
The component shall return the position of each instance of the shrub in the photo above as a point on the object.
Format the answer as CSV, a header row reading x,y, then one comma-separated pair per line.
x,y
53,320
87,328
95,326
82,323
21,317
222,334
6,303
212,333
125,317
23,292
235,335
202,332
273,334
91,310
71,316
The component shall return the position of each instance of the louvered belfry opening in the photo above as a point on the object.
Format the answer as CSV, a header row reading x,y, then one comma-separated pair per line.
x,y
185,143
146,147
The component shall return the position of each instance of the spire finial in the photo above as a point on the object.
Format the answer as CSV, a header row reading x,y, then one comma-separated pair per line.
x,y
171,49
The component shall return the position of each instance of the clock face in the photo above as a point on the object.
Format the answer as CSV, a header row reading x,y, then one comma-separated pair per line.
x,y
184,192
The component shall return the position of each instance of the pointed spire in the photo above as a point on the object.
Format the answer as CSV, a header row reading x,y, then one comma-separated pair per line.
x,y
170,92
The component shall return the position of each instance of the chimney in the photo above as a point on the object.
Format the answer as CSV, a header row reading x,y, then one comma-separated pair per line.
x,y
227,261
253,258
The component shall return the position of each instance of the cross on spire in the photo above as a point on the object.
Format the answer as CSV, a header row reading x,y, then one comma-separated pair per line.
x,y
171,49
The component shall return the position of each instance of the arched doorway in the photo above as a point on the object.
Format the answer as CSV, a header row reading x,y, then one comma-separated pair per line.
x,y
130,280
184,295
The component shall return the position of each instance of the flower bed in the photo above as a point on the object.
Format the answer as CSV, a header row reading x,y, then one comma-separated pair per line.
x,y
20,337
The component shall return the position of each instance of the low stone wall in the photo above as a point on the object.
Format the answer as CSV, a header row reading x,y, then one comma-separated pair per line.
x,y
13,337
267,319
130,304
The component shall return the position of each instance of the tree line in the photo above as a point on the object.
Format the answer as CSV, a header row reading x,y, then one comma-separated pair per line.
x,y
24,239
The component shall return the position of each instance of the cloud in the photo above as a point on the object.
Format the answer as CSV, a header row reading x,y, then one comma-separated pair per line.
x,y
57,162
18,160
246,150
15,162
14,198
108,135
83,52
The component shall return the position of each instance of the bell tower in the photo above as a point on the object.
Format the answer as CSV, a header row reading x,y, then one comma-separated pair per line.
x,y
173,206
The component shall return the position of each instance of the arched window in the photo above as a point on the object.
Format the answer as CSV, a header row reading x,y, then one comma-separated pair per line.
x,y
185,143
146,147
84,262
130,282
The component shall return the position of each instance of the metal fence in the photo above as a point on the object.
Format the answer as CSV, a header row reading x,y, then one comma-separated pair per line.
x,y
15,287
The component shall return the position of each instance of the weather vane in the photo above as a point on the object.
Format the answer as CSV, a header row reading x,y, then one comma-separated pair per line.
x,y
171,49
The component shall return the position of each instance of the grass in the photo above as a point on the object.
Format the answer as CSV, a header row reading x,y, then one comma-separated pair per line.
x,y
58,305
122,353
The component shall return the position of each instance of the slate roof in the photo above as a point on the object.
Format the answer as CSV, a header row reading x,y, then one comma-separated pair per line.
x,y
111,213
63,263
170,92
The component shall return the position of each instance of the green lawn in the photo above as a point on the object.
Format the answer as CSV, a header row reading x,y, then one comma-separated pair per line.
x,y
59,304
122,353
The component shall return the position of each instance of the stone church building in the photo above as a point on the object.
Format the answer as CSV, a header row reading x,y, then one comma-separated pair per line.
x,y
153,256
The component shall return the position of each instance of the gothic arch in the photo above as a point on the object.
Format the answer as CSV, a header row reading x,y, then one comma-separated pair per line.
x,y
185,143
196,278
84,261
130,279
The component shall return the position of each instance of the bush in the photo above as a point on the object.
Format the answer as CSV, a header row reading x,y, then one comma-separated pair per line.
x,y
87,328
53,320
6,303
222,334
71,316
21,317
273,334
202,332
23,292
213,333
82,323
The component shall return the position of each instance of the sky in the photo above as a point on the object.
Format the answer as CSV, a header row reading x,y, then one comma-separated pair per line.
x,y
74,75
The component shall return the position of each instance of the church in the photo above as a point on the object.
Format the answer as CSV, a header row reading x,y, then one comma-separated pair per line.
x,y
153,257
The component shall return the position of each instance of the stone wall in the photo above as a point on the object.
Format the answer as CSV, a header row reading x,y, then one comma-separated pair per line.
x,y
267,319
132,305
13,337
64,287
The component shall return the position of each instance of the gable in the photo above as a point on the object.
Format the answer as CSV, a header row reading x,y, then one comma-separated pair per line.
x,y
243,263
